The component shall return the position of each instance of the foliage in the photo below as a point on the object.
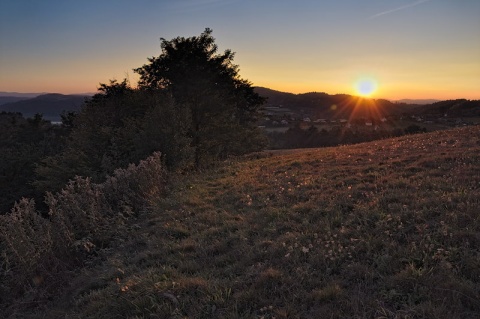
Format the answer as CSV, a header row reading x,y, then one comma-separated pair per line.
x,y
165,127
118,126
192,106
223,107
23,142
36,252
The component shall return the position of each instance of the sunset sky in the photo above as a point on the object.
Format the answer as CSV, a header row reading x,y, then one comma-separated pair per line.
x,y
403,48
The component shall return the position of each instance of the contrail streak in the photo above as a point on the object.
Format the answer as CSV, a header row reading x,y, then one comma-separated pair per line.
x,y
399,8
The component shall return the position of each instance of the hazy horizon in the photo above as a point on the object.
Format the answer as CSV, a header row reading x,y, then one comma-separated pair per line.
x,y
400,49
35,94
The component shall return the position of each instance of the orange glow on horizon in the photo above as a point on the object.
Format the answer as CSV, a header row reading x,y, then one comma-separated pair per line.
x,y
388,92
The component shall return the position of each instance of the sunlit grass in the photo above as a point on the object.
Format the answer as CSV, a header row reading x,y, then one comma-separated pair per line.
x,y
388,229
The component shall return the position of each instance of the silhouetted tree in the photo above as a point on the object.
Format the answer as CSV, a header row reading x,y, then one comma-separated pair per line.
x,y
222,107
191,105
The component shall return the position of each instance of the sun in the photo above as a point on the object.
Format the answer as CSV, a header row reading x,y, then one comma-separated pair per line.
x,y
366,87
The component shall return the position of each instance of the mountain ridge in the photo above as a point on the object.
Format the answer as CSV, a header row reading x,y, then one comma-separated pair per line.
x,y
50,105
309,104
337,106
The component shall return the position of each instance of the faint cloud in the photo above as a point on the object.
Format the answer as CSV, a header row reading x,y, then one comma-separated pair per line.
x,y
201,3
416,3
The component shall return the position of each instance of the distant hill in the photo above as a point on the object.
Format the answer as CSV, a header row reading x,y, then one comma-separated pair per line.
x,y
314,104
11,99
323,105
452,108
50,105
22,95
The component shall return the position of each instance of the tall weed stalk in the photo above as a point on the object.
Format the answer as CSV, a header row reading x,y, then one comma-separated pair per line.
x,y
35,251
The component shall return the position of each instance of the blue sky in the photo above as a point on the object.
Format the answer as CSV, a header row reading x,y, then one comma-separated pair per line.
x,y
410,48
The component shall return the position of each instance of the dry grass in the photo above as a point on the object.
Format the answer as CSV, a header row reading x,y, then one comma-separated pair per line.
x,y
38,254
388,229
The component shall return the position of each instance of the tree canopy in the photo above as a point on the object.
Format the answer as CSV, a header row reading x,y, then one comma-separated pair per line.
x,y
190,104
223,107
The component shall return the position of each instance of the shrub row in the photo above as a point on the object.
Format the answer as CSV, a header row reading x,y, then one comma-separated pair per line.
x,y
84,216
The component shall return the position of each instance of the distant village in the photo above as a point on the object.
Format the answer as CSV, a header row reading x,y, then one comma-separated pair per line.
x,y
280,119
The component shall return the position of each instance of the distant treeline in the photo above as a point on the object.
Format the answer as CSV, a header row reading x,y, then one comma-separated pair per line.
x,y
297,137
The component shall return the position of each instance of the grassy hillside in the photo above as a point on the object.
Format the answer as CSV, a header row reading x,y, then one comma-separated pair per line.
x,y
388,229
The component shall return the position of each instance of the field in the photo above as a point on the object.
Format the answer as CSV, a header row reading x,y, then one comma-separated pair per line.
x,y
403,124
387,229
